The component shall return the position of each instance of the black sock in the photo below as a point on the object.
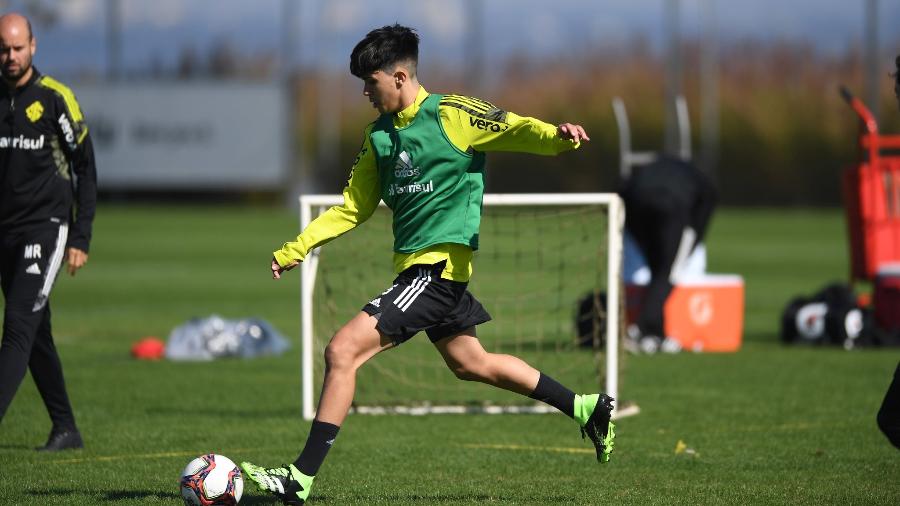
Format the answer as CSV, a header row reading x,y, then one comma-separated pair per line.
x,y
550,391
321,437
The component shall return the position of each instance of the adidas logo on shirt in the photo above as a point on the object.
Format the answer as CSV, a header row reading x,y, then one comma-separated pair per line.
x,y
404,167
33,269
404,161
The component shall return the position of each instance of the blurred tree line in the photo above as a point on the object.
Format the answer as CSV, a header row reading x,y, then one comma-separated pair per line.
x,y
785,134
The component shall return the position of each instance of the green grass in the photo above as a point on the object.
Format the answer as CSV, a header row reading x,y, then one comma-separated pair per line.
x,y
768,425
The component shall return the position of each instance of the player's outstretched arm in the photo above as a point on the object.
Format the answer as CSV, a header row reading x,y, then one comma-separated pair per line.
x,y
277,269
572,132
490,128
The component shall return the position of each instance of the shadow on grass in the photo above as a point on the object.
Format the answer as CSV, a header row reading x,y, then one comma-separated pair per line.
x,y
414,498
142,495
59,495
290,412
17,447
56,495
438,499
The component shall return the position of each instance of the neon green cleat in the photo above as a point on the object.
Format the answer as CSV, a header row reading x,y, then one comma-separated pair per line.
x,y
285,482
596,410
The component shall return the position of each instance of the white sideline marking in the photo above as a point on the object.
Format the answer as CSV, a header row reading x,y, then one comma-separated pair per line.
x,y
629,409
529,448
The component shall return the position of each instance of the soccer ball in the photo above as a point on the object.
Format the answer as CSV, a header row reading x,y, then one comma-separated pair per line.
x,y
211,480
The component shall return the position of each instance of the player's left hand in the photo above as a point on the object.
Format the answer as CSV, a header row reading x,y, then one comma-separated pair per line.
x,y
76,260
572,132
277,269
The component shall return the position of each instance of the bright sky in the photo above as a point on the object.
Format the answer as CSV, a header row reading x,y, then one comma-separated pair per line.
x,y
157,30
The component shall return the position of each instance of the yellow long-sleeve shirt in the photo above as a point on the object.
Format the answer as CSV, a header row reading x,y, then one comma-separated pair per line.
x,y
469,124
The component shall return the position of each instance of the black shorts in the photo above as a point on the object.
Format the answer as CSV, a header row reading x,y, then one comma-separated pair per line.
x,y
420,300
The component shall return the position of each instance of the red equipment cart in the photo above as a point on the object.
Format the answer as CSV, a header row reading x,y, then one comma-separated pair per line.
x,y
872,197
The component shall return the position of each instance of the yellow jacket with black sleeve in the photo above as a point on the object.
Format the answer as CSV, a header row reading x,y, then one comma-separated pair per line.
x,y
470,125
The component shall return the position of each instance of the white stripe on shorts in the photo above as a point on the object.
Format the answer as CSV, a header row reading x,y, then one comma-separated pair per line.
x,y
411,292
408,288
56,259
418,292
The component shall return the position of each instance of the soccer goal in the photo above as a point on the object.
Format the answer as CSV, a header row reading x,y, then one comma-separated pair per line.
x,y
541,257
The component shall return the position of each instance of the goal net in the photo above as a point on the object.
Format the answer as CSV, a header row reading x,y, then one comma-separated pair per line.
x,y
542,259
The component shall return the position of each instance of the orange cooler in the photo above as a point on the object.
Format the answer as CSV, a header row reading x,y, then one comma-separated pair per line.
x,y
704,312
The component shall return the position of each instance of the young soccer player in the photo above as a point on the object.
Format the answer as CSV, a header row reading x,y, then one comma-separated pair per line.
x,y
424,156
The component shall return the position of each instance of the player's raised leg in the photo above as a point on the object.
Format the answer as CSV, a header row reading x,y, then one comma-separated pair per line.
x,y
352,345
469,361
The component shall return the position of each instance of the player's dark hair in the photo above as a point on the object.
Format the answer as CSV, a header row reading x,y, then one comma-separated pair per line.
x,y
383,48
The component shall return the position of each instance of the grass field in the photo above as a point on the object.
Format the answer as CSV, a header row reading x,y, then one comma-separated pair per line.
x,y
768,425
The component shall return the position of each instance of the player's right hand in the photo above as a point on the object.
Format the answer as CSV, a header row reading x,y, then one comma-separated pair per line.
x,y
572,132
277,269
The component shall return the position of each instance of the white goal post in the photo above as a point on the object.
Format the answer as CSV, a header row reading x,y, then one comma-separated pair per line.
x,y
312,205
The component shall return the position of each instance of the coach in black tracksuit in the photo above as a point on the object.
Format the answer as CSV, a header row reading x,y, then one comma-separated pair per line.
x,y
668,205
47,201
